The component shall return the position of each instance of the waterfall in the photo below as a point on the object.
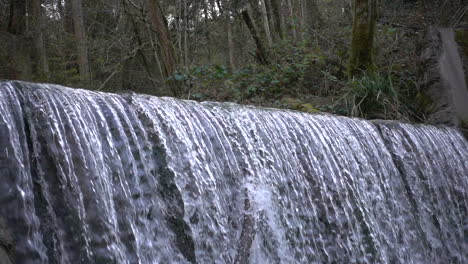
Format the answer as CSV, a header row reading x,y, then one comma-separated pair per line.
x,y
89,177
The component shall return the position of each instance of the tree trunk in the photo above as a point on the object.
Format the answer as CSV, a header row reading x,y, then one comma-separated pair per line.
x,y
303,16
179,27
81,41
364,21
42,67
260,55
256,15
311,12
347,7
226,14
310,17
266,23
68,18
230,45
17,21
277,18
207,32
186,49
271,21
18,57
291,18
167,50
139,41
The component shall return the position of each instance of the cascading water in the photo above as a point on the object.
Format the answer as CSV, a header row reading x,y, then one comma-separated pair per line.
x,y
90,177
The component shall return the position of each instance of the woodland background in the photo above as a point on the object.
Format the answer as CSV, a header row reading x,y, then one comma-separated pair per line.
x,y
304,55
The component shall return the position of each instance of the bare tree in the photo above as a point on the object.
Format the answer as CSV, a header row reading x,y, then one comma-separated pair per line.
x,y
226,14
81,40
261,54
311,13
230,45
291,17
42,66
17,21
277,17
266,23
362,44
166,48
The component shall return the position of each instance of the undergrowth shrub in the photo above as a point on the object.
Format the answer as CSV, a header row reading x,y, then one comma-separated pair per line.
x,y
372,95
283,76
378,95
304,71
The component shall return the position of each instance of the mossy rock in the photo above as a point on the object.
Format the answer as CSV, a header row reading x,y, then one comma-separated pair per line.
x,y
298,105
308,108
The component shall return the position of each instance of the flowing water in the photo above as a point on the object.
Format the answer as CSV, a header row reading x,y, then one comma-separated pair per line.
x,y
90,177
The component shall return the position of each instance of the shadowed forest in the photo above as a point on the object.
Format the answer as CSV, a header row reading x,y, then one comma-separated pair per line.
x,y
349,57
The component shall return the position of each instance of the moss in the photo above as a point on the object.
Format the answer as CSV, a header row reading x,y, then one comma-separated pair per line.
x,y
308,108
298,105
362,50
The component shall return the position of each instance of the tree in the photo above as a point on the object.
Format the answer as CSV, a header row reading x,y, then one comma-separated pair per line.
x,y
311,13
277,18
261,53
174,47
17,22
166,48
42,66
230,45
18,58
226,15
266,24
362,43
80,38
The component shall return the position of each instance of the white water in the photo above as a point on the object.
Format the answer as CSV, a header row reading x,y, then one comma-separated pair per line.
x,y
99,178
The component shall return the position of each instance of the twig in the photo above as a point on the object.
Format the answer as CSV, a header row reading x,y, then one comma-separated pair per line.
x,y
460,17
130,55
108,78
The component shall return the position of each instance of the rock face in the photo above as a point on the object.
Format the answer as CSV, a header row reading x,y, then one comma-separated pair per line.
x,y
6,245
444,94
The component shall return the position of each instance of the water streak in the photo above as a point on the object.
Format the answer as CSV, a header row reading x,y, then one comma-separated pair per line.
x,y
100,178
